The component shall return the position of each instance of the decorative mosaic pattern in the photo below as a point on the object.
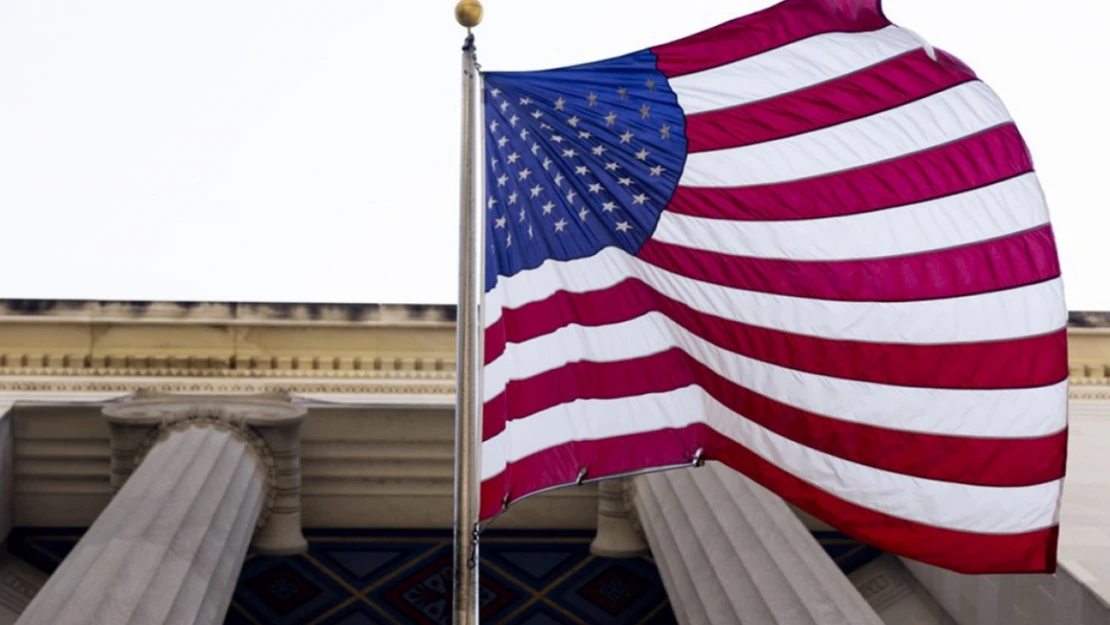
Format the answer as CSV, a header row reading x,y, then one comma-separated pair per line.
x,y
364,577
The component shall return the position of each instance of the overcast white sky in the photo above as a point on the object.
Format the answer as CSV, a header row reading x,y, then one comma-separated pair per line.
x,y
280,150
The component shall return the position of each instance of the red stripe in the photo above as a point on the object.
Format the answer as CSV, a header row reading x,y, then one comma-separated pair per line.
x,y
1018,363
964,460
765,30
973,162
995,265
879,88
964,552
560,465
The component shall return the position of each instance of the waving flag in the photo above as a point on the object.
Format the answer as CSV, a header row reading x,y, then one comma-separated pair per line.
x,y
802,244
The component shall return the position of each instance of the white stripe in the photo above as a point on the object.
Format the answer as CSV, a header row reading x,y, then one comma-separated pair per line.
x,y
790,68
1002,413
941,118
962,507
1002,209
1027,311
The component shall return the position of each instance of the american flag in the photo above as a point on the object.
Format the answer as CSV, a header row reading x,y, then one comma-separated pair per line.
x,y
803,244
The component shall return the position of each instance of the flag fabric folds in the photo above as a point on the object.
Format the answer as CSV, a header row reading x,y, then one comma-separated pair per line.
x,y
802,244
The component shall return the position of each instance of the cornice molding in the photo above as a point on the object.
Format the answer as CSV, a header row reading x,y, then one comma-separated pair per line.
x,y
217,385
417,373
118,347
230,313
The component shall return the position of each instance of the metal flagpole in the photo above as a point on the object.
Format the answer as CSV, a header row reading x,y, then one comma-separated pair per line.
x,y
468,345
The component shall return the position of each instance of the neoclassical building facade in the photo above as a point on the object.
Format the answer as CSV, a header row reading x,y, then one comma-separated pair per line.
x,y
271,464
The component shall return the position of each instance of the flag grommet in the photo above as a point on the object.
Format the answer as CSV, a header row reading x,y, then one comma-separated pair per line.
x,y
699,458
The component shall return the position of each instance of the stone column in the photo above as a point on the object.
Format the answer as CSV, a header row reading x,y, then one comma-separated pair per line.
x,y
617,535
197,480
729,552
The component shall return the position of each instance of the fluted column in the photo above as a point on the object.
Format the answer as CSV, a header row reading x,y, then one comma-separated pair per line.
x,y
730,552
169,547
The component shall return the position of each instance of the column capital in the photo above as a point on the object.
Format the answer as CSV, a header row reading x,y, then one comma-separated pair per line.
x,y
269,423
619,533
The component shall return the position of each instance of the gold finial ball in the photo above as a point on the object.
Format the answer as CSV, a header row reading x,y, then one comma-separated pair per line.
x,y
468,13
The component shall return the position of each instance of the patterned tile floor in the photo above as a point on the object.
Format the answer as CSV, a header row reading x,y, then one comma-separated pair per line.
x,y
364,577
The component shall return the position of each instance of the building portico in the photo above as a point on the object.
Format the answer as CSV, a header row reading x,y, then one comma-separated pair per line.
x,y
193,449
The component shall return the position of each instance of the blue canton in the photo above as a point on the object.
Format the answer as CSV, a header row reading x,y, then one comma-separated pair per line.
x,y
577,160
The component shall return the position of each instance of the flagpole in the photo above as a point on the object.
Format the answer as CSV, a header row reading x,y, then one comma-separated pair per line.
x,y
468,345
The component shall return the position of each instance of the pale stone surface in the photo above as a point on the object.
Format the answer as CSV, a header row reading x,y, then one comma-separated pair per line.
x,y
896,595
271,423
19,582
617,535
169,547
731,552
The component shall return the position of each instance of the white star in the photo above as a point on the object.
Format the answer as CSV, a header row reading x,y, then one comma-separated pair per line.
x,y
502,142
613,166
492,202
500,222
493,163
642,154
535,149
623,226
584,134
524,173
559,104
502,179
639,199
622,92
559,179
599,150
657,170
525,101
570,196
544,126
493,126
581,170
495,93
522,215
536,114
665,132
547,163
524,134
514,157
509,240
556,138
530,234
547,208
536,190
610,119
650,84
513,196
504,105
645,111
513,120
592,98
625,181
582,214
559,225
609,207
595,187
570,153
573,121
627,136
